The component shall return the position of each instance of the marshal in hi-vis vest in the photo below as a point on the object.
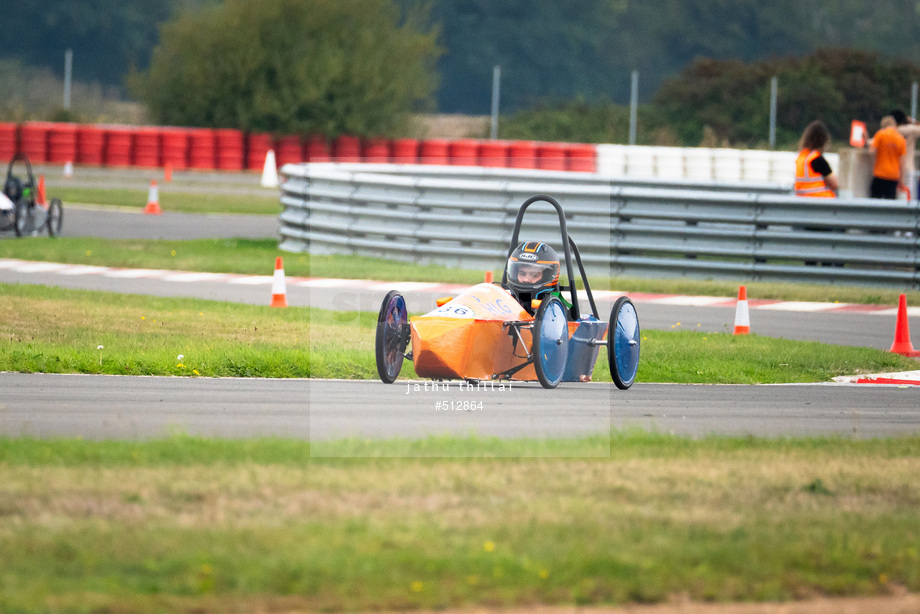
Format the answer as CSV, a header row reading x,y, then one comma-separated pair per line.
x,y
808,182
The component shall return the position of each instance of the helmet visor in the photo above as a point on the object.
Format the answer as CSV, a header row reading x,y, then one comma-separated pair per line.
x,y
528,276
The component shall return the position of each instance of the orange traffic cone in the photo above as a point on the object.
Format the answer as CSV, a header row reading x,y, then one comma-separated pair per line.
x,y
279,291
167,172
153,199
902,344
742,317
41,190
488,277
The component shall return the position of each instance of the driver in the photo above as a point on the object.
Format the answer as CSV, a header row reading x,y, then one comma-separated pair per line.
x,y
533,271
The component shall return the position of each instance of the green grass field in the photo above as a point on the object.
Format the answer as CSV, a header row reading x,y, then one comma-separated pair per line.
x,y
75,331
208,526
171,199
198,525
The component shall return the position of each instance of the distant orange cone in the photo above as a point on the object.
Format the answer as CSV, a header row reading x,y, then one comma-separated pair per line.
x,y
153,199
488,277
742,317
902,344
167,172
41,190
279,290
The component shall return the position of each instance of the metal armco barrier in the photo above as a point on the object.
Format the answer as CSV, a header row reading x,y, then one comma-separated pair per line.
x,y
645,229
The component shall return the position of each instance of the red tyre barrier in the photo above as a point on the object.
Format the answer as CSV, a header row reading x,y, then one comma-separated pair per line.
x,y
404,151
551,156
62,143
289,150
317,149
494,153
257,146
464,152
9,133
582,158
202,149
146,147
118,143
174,147
229,149
33,140
90,145
376,151
346,149
522,154
434,151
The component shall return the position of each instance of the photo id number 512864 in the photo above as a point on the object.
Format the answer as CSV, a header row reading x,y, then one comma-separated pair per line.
x,y
458,405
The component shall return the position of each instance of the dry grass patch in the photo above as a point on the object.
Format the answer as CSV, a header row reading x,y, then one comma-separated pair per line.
x,y
717,492
198,524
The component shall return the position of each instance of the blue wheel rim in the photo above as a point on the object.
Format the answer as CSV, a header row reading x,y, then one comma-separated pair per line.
x,y
626,343
397,317
553,356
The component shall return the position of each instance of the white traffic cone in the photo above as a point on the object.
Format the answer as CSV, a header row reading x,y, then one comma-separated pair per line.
x,y
270,171
279,288
742,317
68,169
153,199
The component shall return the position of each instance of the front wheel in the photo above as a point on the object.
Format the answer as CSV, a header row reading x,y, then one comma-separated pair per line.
x,y
623,340
550,346
392,336
22,215
55,217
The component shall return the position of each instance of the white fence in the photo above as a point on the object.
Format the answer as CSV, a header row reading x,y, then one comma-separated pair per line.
x,y
700,163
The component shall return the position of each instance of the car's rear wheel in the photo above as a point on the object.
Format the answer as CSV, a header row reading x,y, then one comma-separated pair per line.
x,y
623,343
550,347
392,336
55,218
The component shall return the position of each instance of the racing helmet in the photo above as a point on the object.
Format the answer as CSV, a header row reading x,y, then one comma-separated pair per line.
x,y
533,267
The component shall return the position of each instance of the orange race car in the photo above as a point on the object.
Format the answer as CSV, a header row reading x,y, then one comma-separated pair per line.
x,y
523,329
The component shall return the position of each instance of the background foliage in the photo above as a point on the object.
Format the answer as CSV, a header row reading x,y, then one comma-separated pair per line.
x,y
727,103
704,64
327,66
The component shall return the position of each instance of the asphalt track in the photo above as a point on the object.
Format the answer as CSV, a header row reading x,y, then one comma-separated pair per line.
x,y
127,407
125,223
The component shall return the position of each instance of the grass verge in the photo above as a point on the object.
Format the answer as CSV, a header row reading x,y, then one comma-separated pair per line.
x,y
186,202
256,257
188,524
58,330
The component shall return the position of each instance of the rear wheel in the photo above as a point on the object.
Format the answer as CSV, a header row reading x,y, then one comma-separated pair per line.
x,y
550,342
55,217
623,341
392,336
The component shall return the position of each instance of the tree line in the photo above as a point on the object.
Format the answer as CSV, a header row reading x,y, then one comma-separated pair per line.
x,y
362,66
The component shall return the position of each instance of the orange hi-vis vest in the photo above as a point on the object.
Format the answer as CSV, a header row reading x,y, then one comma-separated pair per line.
x,y
808,182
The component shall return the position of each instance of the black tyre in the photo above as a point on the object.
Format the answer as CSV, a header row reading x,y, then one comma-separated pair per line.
x,y
393,335
55,218
23,222
623,343
550,346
